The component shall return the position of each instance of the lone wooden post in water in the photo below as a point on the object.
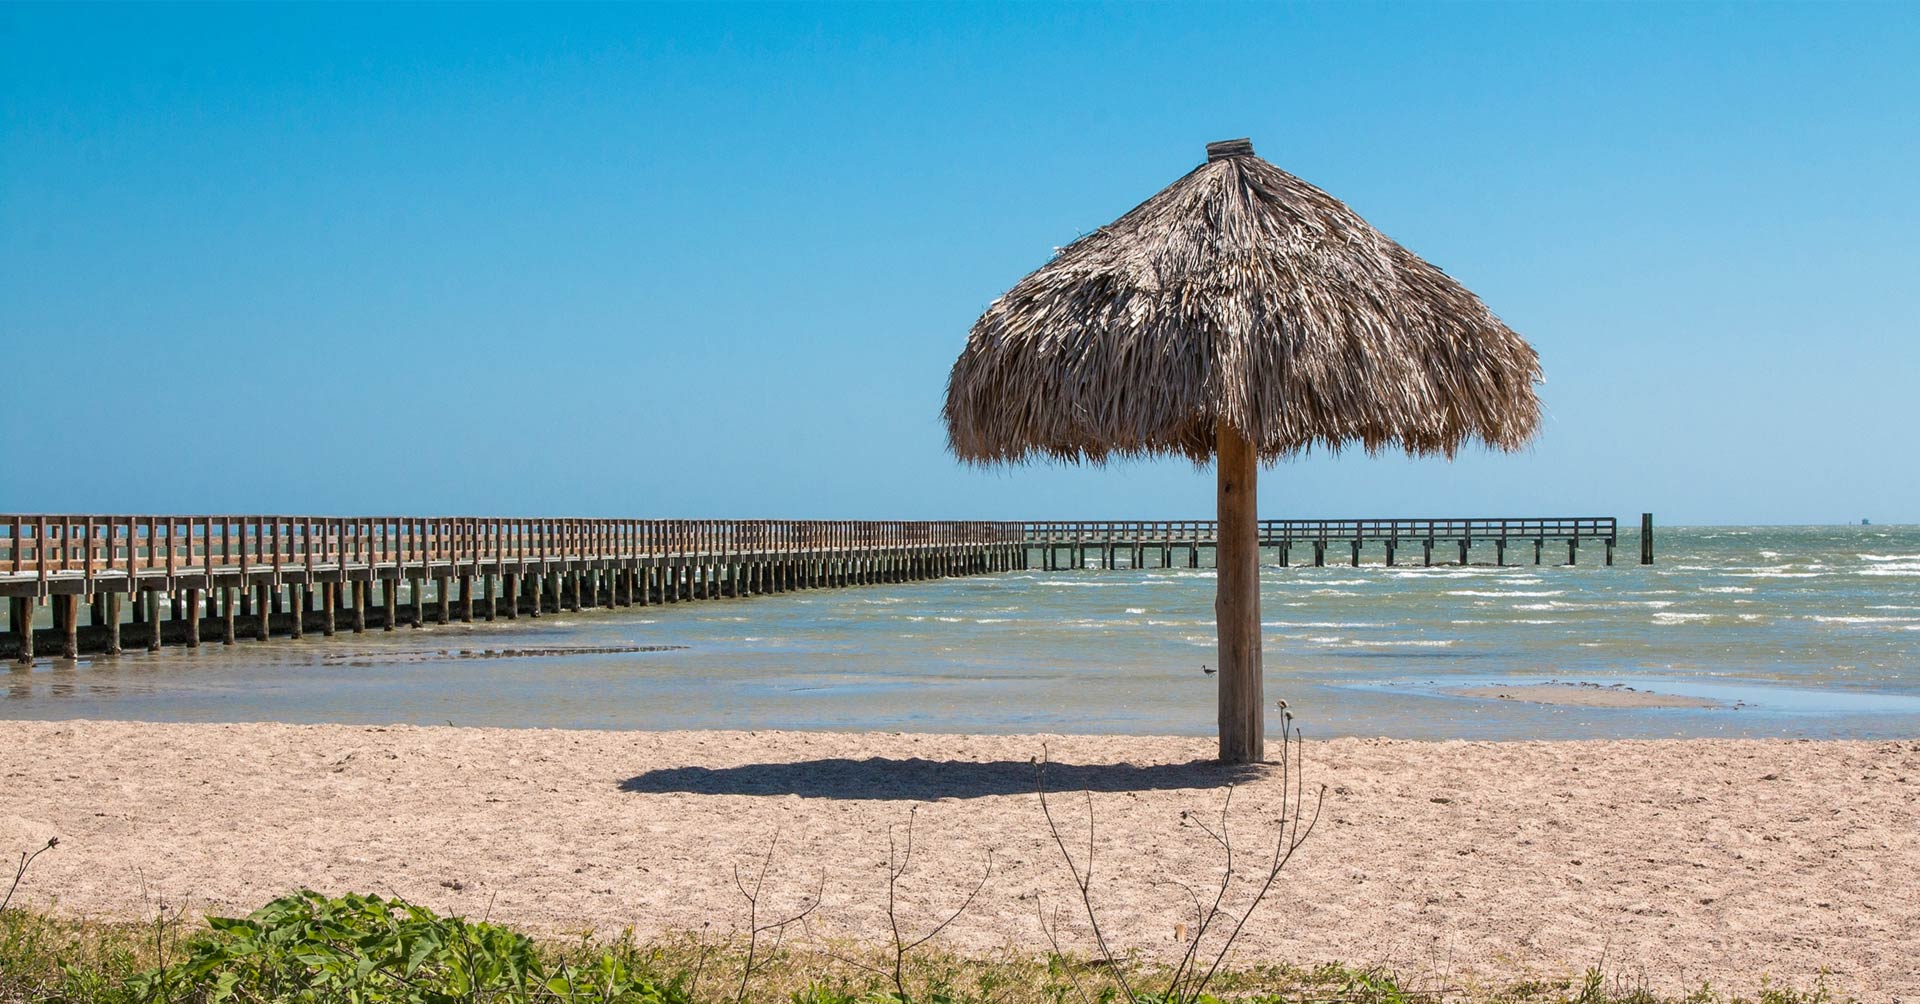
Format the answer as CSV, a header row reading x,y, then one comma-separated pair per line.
x,y
1646,538
1241,315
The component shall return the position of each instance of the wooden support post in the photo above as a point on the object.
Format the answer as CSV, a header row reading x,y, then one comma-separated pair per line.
x,y
1426,553
1646,538
68,610
21,607
1236,604
1538,544
1319,554
466,598
1464,544
1392,545
153,622
193,622
330,606
389,602
1609,552
227,611
1356,552
299,605
360,590
445,596
536,588
487,585
509,589
1500,552
113,623
1573,550
417,592
263,624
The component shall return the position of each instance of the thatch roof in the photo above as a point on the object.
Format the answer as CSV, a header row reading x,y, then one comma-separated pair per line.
x,y
1238,294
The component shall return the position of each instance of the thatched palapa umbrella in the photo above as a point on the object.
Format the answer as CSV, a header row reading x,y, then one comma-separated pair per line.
x,y
1245,315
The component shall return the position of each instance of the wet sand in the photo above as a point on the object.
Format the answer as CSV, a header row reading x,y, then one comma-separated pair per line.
x,y
1669,861
1585,695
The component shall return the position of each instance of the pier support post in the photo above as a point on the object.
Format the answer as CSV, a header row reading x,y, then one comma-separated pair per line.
x,y
227,600
360,590
330,605
445,613
1319,554
1573,550
1500,552
466,598
67,609
113,623
1464,545
1646,538
509,584
1538,543
299,605
1426,553
22,609
263,626
486,581
153,622
389,602
1356,552
193,622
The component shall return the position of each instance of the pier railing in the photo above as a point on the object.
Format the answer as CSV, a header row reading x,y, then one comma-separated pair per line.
x,y
1272,531
41,546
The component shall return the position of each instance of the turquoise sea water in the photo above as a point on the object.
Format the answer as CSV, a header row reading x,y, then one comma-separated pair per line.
x,y
1795,631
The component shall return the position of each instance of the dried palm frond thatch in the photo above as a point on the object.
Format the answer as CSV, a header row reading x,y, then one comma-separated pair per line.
x,y
1239,295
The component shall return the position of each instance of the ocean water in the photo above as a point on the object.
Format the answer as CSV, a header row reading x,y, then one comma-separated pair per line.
x,y
1801,632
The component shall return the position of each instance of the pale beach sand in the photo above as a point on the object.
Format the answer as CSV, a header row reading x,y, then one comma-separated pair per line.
x,y
1677,861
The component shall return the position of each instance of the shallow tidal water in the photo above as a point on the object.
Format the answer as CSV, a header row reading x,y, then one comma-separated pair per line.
x,y
1801,632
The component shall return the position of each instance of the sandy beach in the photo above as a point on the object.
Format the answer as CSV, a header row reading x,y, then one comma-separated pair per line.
x,y
1673,861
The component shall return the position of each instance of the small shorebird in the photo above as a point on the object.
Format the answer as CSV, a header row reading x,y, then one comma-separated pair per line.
x,y
1209,670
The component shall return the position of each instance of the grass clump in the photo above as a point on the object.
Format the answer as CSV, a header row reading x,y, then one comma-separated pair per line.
x,y
312,949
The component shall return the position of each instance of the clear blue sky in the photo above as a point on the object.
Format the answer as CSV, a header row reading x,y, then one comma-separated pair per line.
x,y
670,261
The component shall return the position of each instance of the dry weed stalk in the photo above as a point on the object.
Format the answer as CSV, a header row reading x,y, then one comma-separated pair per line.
x,y
1195,971
775,928
26,861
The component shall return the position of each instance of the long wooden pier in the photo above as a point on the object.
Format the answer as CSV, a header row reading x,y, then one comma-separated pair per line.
x,y
1068,544
164,580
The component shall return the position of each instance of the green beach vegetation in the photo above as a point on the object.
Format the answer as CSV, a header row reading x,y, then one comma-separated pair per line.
x,y
368,950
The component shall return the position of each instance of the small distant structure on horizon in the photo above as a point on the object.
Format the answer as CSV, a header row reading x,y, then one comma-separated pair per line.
x,y
1866,522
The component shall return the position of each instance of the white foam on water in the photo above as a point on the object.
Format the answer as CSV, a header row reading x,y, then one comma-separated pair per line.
x,y
1769,573
1136,610
1075,582
1888,557
1675,617
1332,592
991,620
1324,624
1726,589
1404,643
1891,572
1505,592
1864,620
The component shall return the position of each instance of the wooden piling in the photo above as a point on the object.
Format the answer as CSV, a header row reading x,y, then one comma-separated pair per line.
x,y
1646,538
113,623
68,609
389,603
193,621
360,588
298,626
330,605
263,623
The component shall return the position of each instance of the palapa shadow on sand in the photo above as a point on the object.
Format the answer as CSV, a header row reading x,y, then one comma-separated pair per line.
x,y
926,780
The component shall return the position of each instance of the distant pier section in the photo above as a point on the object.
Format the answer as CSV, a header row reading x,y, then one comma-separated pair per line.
x,y
154,581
